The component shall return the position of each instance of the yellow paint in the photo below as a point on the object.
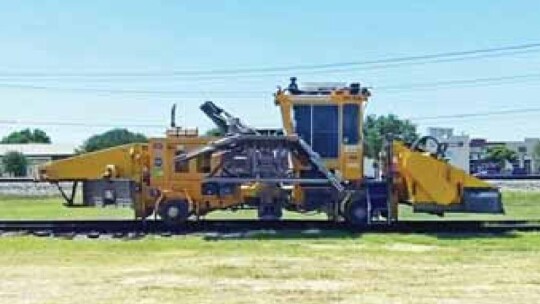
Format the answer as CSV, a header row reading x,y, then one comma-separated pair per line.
x,y
350,161
420,177
425,179
122,161
158,158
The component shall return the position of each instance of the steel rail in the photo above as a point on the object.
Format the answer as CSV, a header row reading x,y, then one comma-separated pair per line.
x,y
230,226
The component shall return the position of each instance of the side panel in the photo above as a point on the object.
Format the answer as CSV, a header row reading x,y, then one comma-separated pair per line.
x,y
104,192
123,161
185,179
352,160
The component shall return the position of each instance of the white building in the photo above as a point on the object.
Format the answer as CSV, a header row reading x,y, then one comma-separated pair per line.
x,y
458,152
470,154
36,154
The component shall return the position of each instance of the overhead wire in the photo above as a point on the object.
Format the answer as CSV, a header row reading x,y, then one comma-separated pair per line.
x,y
328,67
399,88
250,77
459,116
338,67
461,82
475,115
78,124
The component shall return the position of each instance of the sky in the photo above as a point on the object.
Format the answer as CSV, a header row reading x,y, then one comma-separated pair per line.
x,y
100,64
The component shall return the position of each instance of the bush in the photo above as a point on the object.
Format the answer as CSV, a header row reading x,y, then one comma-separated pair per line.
x,y
15,163
112,138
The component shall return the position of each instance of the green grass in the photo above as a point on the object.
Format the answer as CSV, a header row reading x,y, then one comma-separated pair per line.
x,y
53,208
314,267
518,205
341,267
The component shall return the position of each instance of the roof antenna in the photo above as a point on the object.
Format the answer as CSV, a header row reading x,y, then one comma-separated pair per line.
x,y
173,116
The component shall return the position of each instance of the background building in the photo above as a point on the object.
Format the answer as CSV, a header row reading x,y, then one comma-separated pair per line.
x,y
470,154
36,154
528,162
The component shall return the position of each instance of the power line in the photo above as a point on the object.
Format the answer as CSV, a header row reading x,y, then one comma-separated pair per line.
x,y
236,94
105,78
400,88
470,81
162,126
476,114
377,63
252,77
79,124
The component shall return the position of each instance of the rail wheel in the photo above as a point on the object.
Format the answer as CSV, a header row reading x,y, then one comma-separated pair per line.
x,y
174,212
356,211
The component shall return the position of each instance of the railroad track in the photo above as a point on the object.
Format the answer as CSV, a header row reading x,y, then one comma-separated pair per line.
x,y
122,227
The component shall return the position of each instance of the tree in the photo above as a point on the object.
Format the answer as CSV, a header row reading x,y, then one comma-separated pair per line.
x,y
15,163
213,132
27,136
377,127
500,154
112,138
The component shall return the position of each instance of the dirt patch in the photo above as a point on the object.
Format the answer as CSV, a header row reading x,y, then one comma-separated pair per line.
x,y
229,283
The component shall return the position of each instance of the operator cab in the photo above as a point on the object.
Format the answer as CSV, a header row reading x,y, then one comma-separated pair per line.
x,y
328,117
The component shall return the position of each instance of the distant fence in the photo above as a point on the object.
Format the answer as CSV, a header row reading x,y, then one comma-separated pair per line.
x,y
30,188
17,180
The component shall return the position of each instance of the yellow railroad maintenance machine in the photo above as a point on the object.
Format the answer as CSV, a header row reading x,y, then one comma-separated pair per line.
x,y
316,163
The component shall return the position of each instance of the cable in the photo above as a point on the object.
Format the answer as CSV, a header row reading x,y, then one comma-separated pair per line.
x,y
471,81
262,76
252,77
234,94
400,88
79,124
455,55
477,114
161,126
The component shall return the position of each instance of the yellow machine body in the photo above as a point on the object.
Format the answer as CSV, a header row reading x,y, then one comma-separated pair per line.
x,y
348,160
331,123
432,184
123,161
176,180
153,168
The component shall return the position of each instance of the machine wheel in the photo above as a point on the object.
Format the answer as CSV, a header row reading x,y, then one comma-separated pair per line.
x,y
174,212
356,212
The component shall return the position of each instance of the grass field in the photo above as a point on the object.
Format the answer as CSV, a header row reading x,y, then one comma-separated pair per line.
x,y
518,205
331,267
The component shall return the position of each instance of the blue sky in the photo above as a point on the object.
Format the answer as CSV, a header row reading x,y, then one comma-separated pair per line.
x,y
88,37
